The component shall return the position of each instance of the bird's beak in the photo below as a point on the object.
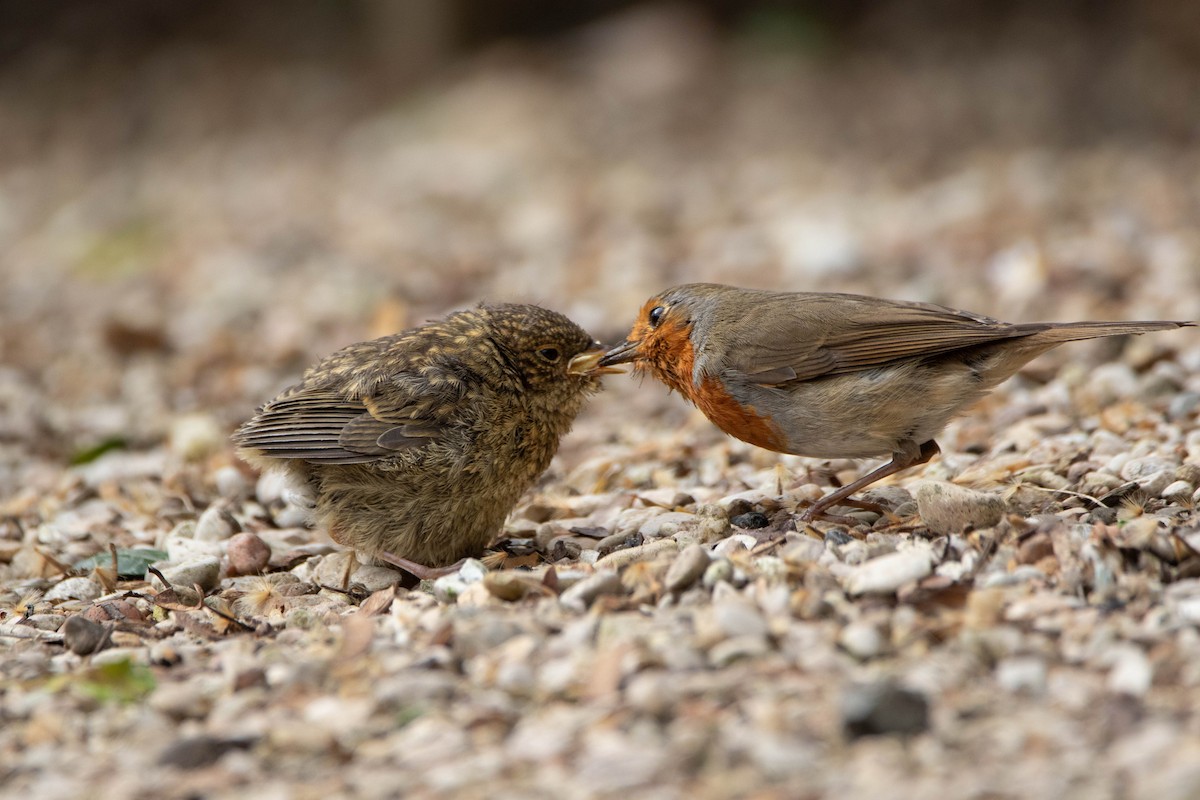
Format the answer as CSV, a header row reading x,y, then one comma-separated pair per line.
x,y
623,353
588,363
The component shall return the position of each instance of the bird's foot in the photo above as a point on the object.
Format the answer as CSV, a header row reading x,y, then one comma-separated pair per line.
x,y
817,511
419,570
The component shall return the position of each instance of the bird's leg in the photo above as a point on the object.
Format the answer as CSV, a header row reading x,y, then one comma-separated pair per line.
x,y
419,570
351,565
900,461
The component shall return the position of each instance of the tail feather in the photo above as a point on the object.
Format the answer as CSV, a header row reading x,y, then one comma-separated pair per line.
x,y
1057,332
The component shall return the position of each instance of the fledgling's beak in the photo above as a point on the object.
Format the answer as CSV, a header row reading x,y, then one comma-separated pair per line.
x,y
588,363
623,353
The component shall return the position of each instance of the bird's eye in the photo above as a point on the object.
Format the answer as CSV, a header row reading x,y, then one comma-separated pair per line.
x,y
549,354
656,315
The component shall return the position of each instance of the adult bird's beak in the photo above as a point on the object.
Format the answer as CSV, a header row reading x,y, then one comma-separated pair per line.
x,y
588,363
623,353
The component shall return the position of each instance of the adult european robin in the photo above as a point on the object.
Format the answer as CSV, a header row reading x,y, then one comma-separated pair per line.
x,y
835,375
414,447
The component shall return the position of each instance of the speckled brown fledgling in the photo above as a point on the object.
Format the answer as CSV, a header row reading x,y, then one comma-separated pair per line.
x,y
414,447
835,375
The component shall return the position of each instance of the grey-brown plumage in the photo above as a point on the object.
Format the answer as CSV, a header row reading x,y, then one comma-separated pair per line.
x,y
835,375
414,447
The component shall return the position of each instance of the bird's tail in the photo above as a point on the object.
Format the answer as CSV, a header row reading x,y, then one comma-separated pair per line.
x,y
1058,332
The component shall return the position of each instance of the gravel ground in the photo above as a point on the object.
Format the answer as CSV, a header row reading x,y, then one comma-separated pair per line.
x,y
1024,621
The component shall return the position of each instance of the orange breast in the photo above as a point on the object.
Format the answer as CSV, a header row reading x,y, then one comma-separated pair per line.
x,y
669,353
734,418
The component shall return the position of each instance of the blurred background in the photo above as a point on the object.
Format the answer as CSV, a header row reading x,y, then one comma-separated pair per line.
x,y
197,199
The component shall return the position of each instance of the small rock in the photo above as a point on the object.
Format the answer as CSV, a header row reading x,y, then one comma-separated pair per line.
x,y
194,436
1034,549
1137,469
248,554
216,524
82,636
1045,478
719,571
618,541
687,568
861,640
1183,405
79,588
751,520
1156,483
883,708
507,585
668,524
1131,672
1025,674
836,537
735,616
646,552
1178,491
890,497
886,574
736,648
203,571
44,622
583,594
732,544
946,508
113,610
199,751
803,551
231,483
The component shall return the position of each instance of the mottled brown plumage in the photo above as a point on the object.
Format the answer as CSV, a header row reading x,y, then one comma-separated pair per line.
x,y
414,447
835,375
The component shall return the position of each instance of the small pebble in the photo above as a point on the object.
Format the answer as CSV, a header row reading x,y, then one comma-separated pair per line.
x,y
719,571
203,571
1177,491
78,588
736,648
82,636
248,554
946,508
1034,548
751,520
883,708
668,524
861,640
113,610
1131,672
584,593
836,537
687,568
231,483
216,524
196,752
1022,674
194,436
886,574
890,497
735,616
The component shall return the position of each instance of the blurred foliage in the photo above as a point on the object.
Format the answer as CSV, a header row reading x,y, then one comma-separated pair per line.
x,y
131,563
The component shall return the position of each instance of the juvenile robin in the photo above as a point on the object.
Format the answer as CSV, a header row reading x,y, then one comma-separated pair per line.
x,y
414,447
835,375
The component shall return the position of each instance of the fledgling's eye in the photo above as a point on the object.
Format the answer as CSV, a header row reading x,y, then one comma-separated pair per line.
x,y
656,315
549,354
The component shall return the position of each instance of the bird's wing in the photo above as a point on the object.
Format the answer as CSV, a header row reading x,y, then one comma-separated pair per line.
x,y
322,425
810,336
